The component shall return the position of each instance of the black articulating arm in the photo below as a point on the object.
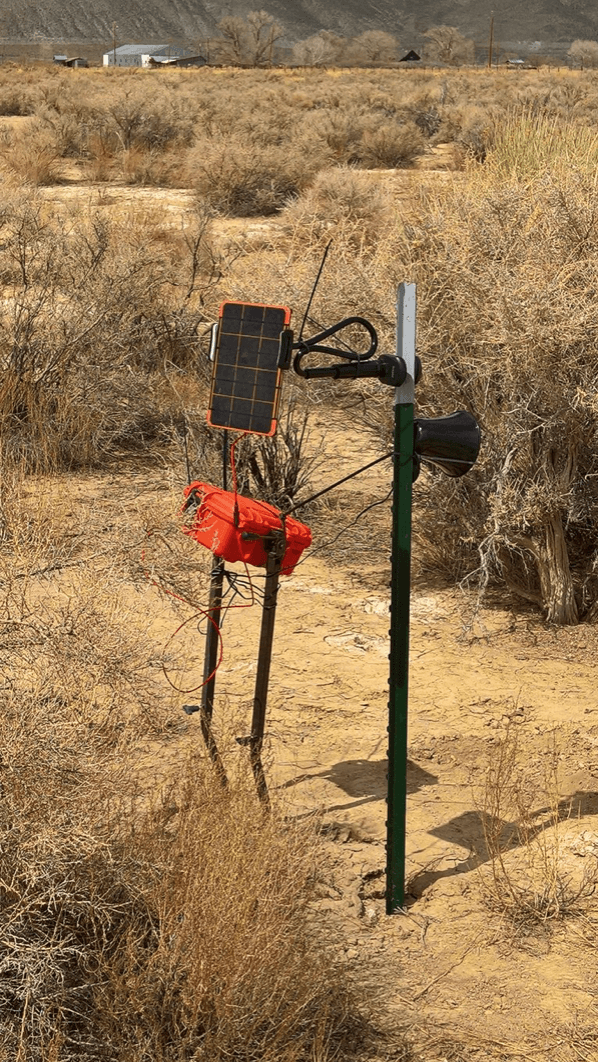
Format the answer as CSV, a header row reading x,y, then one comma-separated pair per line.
x,y
388,368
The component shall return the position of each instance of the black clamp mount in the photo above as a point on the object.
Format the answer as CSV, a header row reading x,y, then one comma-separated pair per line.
x,y
388,368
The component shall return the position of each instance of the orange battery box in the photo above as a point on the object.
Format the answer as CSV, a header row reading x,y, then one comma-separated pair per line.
x,y
234,527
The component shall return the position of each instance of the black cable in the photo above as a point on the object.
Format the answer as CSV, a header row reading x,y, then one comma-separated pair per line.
x,y
186,447
225,459
313,290
338,483
326,545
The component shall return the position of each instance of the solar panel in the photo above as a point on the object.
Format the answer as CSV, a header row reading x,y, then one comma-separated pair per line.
x,y
246,375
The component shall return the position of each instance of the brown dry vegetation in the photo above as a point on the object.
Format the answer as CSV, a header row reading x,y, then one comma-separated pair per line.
x,y
146,915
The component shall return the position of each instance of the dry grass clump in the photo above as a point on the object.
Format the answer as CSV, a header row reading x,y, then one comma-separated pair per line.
x,y
142,166
168,925
147,913
528,880
31,155
233,969
525,146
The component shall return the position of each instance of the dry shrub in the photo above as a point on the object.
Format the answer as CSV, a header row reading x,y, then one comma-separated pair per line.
x,y
424,109
97,320
472,130
341,203
142,166
391,146
528,881
506,275
154,121
341,131
67,124
83,645
32,155
247,179
15,100
233,969
176,932
354,136
100,163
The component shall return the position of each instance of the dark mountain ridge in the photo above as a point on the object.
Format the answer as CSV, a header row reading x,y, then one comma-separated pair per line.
x,y
538,25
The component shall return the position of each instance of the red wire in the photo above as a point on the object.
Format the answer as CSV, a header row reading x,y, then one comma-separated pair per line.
x,y
193,689
201,611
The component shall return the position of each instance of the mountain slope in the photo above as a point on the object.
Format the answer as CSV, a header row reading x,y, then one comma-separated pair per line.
x,y
552,23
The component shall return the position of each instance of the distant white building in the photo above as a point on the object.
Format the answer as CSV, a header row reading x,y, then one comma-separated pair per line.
x,y
139,54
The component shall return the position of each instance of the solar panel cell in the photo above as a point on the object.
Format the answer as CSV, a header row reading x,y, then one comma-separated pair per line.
x,y
245,382
221,407
252,328
246,378
229,349
227,373
249,351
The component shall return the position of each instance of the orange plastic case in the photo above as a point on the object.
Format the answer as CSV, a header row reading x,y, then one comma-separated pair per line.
x,y
214,526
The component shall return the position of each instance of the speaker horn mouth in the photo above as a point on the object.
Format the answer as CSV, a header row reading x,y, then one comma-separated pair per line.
x,y
451,443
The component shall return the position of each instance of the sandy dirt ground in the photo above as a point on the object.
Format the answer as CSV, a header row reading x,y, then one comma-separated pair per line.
x,y
461,979
479,676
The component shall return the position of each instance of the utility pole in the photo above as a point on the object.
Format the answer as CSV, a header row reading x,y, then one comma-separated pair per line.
x,y
114,43
490,40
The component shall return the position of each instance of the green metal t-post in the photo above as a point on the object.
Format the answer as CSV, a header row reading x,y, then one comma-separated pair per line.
x,y
399,605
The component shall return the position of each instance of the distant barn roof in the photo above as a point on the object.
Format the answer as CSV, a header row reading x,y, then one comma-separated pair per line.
x,y
147,49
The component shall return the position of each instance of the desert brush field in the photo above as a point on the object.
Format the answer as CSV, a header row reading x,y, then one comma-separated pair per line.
x,y
146,914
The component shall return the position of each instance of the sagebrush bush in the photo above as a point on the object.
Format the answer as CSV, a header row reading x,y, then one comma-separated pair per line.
x,y
343,204
506,274
32,155
505,261
16,100
98,319
391,146
245,180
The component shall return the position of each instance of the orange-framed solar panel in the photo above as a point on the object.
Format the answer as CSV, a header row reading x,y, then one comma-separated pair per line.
x,y
246,375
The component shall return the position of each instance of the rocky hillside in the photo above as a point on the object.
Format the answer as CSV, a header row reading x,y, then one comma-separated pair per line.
x,y
542,25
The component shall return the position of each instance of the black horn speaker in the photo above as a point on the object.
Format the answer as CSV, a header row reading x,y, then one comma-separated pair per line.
x,y
452,443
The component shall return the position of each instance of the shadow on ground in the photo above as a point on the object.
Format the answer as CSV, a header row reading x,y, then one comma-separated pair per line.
x,y
365,780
